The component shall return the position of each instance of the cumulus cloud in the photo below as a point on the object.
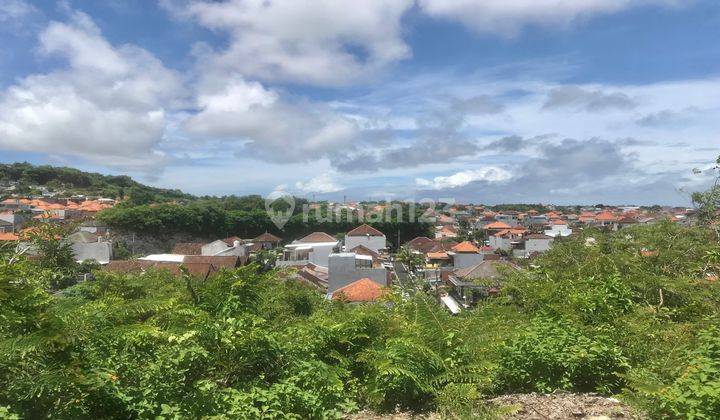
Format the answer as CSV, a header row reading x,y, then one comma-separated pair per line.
x,y
271,128
507,17
588,100
322,184
459,179
107,105
321,42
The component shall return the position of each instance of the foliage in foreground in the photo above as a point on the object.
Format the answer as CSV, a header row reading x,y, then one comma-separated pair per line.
x,y
606,318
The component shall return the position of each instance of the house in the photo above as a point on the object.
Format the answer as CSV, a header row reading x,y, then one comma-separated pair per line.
x,y
93,226
314,248
315,276
266,241
606,219
558,227
421,244
506,239
445,231
229,246
471,284
465,254
90,246
347,267
360,291
366,236
10,221
510,218
495,227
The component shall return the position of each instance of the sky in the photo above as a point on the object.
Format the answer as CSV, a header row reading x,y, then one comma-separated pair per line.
x,y
476,101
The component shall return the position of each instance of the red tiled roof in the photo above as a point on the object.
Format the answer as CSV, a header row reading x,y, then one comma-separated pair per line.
x,y
363,290
363,250
365,230
227,261
318,237
606,216
267,237
187,248
466,247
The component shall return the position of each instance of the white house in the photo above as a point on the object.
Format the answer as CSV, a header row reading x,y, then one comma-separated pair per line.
x,y
314,248
222,247
465,254
366,236
347,267
557,228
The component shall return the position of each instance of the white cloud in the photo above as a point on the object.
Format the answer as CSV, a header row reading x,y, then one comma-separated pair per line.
x,y
11,10
108,104
322,184
507,17
272,129
321,42
459,179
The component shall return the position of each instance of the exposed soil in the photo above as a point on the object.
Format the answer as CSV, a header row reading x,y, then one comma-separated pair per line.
x,y
558,406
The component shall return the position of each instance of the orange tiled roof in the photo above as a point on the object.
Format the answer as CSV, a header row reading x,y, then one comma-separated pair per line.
x,y
363,290
606,216
9,236
438,255
466,247
318,237
498,225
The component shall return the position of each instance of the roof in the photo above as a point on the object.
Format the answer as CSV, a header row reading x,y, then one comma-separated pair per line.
x,y
230,241
420,241
267,237
315,275
164,258
363,250
363,290
438,255
466,247
227,261
317,237
484,270
188,248
365,230
8,236
559,222
498,225
605,216
538,236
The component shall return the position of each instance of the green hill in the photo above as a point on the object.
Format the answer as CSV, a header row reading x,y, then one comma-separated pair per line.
x,y
70,181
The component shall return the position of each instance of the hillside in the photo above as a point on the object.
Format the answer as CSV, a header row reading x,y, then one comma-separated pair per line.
x,y
27,178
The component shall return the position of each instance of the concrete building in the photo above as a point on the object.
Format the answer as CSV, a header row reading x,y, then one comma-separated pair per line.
x,y
537,243
347,267
314,248
465,254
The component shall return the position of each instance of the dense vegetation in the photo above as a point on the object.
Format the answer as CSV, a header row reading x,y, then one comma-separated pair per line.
x,y
73,181
605,317
247,217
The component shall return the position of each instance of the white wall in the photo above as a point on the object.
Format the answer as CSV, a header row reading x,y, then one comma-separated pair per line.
x,y
375,243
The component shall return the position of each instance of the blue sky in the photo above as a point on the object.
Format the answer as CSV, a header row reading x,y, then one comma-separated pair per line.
x,y
472,100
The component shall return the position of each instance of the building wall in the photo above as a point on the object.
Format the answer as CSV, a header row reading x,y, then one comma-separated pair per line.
x,y
462,260
98,251
537,245
342,271
499,242
375,243
319,254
